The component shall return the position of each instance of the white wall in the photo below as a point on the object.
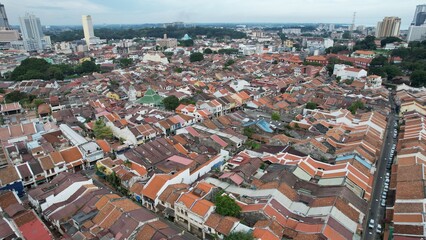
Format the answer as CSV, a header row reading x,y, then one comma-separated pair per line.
x,y
64,195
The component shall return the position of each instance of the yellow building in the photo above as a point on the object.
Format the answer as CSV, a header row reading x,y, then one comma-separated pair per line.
x,y
113,95
412,106
81,60
288,43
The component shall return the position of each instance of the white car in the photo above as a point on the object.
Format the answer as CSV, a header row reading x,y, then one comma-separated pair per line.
x,y
379,228
371,224
383,203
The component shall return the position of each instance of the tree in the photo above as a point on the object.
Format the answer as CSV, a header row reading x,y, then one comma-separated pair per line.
x,y
283,37
187,101
30,68
186,43
207,51
311,105
355,106
387,40
248,131
113,179
275,116
392,71
15,96
196,57
171,102
336,49
229,63
346,35
226,206
228,51
315,64
102,131
367,44
89,67
53,71
376,66
239,236
418,78
37,102
125,62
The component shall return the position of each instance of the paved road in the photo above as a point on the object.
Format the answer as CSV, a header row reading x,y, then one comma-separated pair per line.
x,y
376,211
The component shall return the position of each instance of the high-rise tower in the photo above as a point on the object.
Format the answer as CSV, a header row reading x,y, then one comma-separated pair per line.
x,y
417,30
32,33
419,15
4,23
89,34
389,27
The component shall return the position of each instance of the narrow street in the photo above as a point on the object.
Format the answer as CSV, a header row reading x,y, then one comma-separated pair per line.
x,y
376,211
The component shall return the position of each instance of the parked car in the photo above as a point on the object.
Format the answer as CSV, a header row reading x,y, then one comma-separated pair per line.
x,y
379,228
371,224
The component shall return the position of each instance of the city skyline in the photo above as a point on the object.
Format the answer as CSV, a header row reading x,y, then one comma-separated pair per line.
x,y
66,12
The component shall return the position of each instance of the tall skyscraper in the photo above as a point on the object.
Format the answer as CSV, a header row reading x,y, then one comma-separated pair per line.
x,y
89,34
32,33
389,27
419,15
4,23
417,30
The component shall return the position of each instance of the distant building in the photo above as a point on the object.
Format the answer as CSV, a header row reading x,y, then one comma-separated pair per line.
x,y
174,24
295,31
419,15
186,38
167,42
348,72
7,37
374,82
32,33
319,44
417,30
89,34
389,27
4,23
363,54
416,33
155,57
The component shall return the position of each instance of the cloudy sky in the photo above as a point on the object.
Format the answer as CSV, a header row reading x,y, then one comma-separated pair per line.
x,y
68,12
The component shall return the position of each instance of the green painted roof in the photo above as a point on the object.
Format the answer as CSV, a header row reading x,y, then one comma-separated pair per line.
x,y
150,97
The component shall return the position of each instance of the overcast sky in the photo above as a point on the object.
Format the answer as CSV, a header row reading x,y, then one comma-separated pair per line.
x,y
68,12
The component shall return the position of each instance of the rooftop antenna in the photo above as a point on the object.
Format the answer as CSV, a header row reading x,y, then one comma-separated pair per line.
x,y
353,22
